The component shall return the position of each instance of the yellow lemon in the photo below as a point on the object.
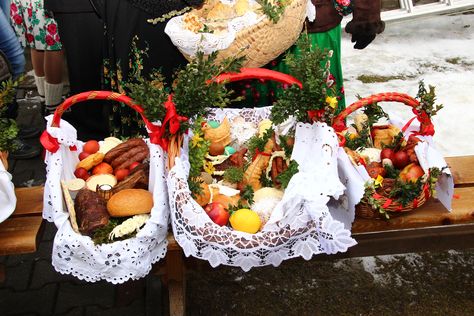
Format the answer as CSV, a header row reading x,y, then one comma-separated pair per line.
x,y
245,220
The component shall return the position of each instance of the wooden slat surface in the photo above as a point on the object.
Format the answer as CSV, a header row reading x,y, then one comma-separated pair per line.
x,y
19,235
462,168
29,201
432,213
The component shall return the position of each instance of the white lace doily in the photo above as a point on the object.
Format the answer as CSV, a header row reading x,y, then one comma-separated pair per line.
x,y
190,43
301,226
76,254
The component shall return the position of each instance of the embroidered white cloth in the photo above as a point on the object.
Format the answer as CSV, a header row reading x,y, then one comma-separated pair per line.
x,y
7,194
76,254
300,226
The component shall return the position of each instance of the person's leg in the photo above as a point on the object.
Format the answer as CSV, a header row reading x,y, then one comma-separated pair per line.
x,y
10,45
53,70
37,62
53,66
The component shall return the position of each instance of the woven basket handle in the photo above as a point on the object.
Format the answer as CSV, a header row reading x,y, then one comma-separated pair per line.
x,y
258,73
95,95
426,126
51,144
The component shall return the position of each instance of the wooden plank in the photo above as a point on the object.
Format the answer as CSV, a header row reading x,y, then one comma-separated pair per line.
x,y
29,201
462,168
19,235
431,213
176,282
435,238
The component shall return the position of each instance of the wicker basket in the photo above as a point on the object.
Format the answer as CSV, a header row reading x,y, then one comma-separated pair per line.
x,y
4,159
364,209
76,254
264,41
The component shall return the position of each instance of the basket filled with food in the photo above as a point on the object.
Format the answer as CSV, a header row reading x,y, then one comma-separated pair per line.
x,y
397,161
249,187
107,198
259,30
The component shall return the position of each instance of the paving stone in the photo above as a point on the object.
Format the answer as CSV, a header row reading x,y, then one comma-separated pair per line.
x,y
18,276
44,273
49,231
39,301
136,308
154,295
73,295
76,311
43,253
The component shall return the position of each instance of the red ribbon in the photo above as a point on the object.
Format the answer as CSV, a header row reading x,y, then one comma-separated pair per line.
x,y
51,144
415,203
387,203
315,114
427,128
172,119
258,152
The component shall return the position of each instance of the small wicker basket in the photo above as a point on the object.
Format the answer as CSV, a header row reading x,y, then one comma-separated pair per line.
x,y
264,41
364,209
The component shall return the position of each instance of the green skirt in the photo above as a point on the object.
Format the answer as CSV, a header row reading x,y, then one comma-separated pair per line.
x,y
265,93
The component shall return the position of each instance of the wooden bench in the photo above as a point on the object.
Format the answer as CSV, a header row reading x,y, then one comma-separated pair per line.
x,y
20,233
430,227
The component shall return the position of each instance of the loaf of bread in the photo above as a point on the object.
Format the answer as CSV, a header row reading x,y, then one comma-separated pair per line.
x,y
130,202
91,211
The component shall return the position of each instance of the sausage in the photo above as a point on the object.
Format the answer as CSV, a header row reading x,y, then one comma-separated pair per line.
x,y
129,155
139,156
122,148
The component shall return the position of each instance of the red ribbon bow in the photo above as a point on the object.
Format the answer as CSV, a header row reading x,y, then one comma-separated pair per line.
x,y
51,144
157,133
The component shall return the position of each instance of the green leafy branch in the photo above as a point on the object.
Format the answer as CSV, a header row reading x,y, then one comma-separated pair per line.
x,y
427,100
310,65
273,9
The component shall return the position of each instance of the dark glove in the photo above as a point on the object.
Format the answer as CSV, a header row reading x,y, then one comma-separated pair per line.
x,y
366,22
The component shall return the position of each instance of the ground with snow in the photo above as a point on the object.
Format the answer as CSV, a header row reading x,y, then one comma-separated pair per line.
x,y
436,49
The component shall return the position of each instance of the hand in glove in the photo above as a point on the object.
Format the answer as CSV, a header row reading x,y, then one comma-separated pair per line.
x,y
366,22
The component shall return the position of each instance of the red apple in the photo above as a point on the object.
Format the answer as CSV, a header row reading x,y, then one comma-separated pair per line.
x,y
81,173
217,213
121,174
91,147
133,165
386,153
103,168
411,173
400,159
83,155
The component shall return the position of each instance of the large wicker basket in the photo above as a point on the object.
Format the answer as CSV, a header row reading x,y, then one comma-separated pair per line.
x,y
264,41
364,209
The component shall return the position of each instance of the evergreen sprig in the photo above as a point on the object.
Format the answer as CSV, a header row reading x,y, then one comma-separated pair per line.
x,y
427,99
8,127
285,177
151,94
273,9
198,149
195,89
310,65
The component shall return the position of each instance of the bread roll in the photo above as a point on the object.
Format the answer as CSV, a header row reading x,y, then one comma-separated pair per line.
x,y
130,202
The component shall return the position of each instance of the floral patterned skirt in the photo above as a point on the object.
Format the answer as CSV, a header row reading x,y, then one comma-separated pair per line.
x,y
33,26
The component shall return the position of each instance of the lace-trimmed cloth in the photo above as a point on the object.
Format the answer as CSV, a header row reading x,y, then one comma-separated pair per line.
x,y
301,224
76,254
